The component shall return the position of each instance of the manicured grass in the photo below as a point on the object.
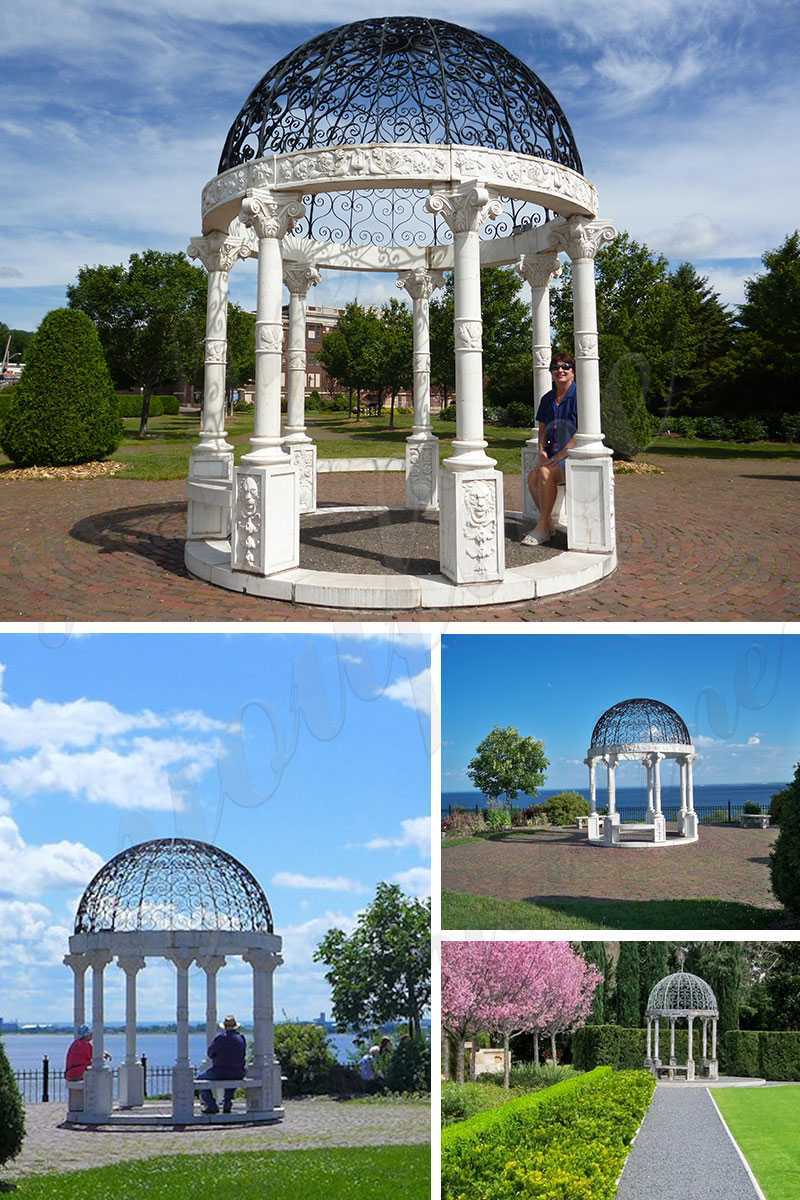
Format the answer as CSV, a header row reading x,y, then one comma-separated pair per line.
x,y
352,1173
461,910
764,1122
700,448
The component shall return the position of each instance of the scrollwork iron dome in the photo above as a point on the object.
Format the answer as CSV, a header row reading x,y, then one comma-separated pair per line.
x,y
640,722
400,79
171,884
681,994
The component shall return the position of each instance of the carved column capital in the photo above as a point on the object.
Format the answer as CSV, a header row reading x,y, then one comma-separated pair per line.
x,y
581,238
466,209
182,959
219,251
269,215
98,960
131,964
79,963
420,283
262,960
300,277
539,269
211,963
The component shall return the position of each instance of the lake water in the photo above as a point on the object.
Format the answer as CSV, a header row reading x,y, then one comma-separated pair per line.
x,y
706,796
26,1050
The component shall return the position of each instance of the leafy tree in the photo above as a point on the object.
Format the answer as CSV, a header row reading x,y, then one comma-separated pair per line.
x,y
769,322
783,986
241,346
595,955
443,359
64,409
382,971
355,356
395,367
506,763
335,356
627,996
785,855
150,317
306,1058
653,966
12,1112
409,1068
565,807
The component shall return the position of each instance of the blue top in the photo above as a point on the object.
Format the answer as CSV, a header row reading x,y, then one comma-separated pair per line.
x,y
560,420
228,1052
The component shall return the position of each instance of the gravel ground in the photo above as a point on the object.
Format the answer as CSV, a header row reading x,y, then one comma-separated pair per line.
x,y
309,1124
683,1153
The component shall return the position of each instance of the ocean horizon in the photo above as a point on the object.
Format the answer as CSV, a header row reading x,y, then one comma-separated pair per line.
x,y
706,795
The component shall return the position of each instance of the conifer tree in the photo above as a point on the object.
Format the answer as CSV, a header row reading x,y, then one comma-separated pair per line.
x,y
12,1112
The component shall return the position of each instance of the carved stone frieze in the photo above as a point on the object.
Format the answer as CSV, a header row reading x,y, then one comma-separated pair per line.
x,y
581,238
466,209
480,523
216,350
269,337
468,335
586,345
248,521
225,187
539,269
520,170
269,215
353,162
420,283
296,360
422,361
303,461
542,356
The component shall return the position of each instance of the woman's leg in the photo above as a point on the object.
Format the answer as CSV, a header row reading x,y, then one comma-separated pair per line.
x,y
548,480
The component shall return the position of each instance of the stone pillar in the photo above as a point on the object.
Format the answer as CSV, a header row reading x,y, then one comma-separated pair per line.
x,y
302,451
266,516
659,821
593,823
211,463
682,765
471,522
705,1040
611,823
98,1080
212,965
79,964
538,270
690,823
589,471
713,1066
265,1067
183,1071
131,1076
690,1059
657,1050
648,766
672,1041
648,1062
422,447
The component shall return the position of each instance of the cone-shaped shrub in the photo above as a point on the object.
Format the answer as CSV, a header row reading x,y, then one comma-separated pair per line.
x,y
12,1112
64,409
785,856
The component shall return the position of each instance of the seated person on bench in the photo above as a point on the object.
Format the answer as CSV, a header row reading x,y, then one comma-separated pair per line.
x,y
557,417
227,1054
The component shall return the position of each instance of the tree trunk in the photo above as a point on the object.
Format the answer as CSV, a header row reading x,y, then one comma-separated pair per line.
x,y
391,412
145,417
506,1062
536,1047
553,1050
460,1060
349,404
473,1060
358,404
445,1055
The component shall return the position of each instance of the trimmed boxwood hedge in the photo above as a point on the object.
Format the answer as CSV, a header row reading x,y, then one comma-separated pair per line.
x,y
568,1142
160,406
761,1054
738,1053
624,1049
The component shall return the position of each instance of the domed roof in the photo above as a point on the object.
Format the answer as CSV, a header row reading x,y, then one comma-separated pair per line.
x,y
682,993
640,722
173,883
400,79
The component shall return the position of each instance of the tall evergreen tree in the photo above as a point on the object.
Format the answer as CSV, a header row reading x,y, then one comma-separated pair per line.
x,y
594,953
627,995
783,986
654,964
707,327
724,967
12,1112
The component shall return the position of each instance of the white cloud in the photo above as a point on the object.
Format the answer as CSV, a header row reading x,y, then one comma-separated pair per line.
x,y
325,883
412,691
27,870
416,833
754,741
416,881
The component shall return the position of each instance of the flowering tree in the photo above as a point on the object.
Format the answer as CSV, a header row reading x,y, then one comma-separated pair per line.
x,y
463,997
569,992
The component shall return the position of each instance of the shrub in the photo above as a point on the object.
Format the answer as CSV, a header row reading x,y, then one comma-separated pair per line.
x,y
749,429
64,409
714,429
314,401
738,1053
777,803
565,808
463,1100
306,1058
518,817
785,856
7,394
627,425
779,1055
462,821
568,1141
171,405
448,413
497,819
12,1112
338,403
529,1077
536,814
409,1068
751,808
131,406
683,426
790,426
519,415
624,1049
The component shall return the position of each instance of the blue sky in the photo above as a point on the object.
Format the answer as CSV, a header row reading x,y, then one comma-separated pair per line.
x,y
276,747
686,114
737,694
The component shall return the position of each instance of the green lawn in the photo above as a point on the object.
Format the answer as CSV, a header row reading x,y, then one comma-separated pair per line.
x,y
764,1122
341,1174
461,910
700,448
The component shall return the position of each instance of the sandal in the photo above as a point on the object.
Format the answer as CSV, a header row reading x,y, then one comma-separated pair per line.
x,y
536,539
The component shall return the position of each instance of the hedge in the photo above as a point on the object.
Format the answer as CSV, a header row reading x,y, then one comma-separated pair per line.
x,y
624,1049
568,1142
738,1053
761,1054
160,406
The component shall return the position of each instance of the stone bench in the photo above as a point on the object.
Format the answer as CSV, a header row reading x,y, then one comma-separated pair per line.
x,y
215,1085
758,820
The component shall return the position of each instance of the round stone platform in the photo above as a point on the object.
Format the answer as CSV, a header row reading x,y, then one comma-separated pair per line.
x,y
379,557
634,843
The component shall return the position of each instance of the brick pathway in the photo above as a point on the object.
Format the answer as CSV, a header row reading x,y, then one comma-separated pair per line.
x,y
725,864
708,540
309,1124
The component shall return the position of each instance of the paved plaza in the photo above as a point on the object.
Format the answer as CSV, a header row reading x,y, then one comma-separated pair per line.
x,y
707,540
309,1124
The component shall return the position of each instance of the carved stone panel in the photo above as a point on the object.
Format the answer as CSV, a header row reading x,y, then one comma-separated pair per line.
x,y
303,455
422,468
269,337
467,334
480,525
248,523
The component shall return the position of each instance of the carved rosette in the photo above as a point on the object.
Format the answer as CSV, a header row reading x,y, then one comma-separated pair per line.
x,y
300,278
269,337
468,335
465,210
480,523
216,350
219,251
248,522
269,215
539,269
420,283
581,238
303,462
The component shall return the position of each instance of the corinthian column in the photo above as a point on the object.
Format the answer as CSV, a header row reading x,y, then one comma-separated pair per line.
x,y
422,447
302,451
266,523
182,1072
131,1076
538,270
265,1068
589,473
471,523
211,463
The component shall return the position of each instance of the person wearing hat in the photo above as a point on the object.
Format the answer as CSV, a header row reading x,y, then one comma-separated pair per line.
x,y
227,1053
367,1070
79,1054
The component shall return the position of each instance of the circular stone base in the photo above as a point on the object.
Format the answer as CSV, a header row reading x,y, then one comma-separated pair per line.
x,y
375,557
641,844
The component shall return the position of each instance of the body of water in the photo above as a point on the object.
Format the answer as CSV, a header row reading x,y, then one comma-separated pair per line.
x,y
706,796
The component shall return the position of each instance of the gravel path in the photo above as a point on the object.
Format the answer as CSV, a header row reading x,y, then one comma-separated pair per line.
x,y
683,1153
309,1124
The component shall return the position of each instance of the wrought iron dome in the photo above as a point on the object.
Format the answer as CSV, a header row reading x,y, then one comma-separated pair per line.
x,y
640,722
400,79
173,884
680,995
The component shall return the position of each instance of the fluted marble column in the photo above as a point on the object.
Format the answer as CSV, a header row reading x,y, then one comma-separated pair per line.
x,y
589,473
538,270
471,522
131,1075
182,1072
211,463
299,279
98,1080
264,1067
266,524
422,447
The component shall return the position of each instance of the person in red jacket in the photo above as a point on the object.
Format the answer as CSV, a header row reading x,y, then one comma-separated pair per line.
x,y
79,1055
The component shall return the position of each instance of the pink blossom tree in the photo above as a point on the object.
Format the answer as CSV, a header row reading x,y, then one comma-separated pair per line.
x,y
569,992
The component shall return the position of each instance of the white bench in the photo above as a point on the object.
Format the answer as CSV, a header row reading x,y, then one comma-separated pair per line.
x,y
218,1085
760,820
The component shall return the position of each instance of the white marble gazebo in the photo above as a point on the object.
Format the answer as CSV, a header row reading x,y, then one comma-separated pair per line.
x,y
410,146
676,998
194,905
648,732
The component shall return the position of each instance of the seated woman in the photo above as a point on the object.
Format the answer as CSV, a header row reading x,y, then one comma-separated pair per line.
x,y
557,417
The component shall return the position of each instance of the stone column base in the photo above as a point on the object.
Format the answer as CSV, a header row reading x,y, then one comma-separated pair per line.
x,y
98,1092
422,473
593,826
182,1093
690,1071
590,504
268,1096
472,546
688,824
209,492
659,827
131,1085
304,458
713,1069
611,829
265,537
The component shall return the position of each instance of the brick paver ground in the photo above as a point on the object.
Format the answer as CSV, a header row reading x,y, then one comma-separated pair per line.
x,y
707,540
726,864
309,1124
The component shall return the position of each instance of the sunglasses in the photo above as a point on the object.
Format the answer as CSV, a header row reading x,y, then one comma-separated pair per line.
x,y
562,366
